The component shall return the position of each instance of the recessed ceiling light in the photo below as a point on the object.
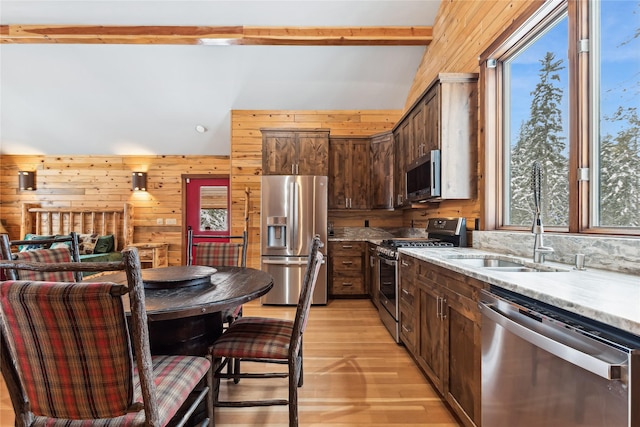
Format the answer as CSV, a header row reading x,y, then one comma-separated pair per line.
x,y
201,129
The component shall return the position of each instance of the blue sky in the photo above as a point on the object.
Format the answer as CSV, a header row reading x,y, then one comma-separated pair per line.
x,y
620,63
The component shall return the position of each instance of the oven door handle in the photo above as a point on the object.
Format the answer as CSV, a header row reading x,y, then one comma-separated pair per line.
x,y
391,262
604,369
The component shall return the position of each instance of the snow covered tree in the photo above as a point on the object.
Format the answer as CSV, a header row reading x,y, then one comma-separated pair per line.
x,y
620,172
540,139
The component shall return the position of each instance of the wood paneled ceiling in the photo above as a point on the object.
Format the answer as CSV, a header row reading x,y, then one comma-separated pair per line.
x,y
136,77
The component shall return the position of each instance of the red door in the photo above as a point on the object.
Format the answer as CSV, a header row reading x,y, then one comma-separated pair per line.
x,y
208,207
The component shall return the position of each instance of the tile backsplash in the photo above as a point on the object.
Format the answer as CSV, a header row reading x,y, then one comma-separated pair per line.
x,y
620,254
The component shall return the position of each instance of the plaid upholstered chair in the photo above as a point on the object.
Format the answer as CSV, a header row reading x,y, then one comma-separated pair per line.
x,y
220,252
67,355
49,250
267,340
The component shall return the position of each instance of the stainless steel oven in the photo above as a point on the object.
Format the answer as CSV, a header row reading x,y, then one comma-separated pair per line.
x,y
542,366
441,232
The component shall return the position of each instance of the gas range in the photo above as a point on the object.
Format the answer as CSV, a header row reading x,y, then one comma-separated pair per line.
x,y
442,232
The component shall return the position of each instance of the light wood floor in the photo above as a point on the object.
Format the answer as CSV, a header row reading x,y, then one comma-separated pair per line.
x,y
355,375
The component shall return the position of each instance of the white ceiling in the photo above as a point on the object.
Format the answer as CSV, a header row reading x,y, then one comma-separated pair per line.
x,y
147,99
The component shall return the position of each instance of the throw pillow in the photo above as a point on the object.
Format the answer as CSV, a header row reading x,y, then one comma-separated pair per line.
x,y
30,236
104,245
87,243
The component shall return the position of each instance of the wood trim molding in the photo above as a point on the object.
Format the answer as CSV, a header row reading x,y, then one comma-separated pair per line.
x,y
222,35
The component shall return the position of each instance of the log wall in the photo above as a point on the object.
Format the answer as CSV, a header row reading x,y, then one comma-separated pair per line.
x,y
462,30
105,181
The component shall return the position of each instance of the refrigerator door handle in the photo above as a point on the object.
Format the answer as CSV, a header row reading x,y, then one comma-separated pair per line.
x,y
295,201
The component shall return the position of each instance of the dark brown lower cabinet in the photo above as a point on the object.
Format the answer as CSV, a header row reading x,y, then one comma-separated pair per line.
x,y
347,269
441,329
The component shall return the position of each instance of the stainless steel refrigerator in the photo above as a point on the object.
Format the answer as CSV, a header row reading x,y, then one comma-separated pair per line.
x,y
294,209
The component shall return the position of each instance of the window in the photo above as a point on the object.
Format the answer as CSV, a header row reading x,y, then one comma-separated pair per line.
x,y
563,91
615,69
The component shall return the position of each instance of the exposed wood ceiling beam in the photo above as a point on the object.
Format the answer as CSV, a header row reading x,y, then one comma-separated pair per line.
x,y
233,35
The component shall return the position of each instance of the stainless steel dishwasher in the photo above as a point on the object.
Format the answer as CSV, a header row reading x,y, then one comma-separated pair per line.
x,y
543,366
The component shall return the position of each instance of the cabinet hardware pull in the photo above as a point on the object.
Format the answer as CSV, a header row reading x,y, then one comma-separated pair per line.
x,y
406,328
347,262
406,292
347,284
443,312
347,247
405,263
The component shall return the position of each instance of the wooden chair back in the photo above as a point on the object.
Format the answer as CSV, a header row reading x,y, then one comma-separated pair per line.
x,y
314,263
57,343
51,250
220,250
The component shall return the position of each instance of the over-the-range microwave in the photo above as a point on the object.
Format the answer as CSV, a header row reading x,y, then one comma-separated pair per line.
x,y
423,177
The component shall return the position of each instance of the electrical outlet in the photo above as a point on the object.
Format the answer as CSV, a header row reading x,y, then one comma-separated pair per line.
x,y
170,221
159,221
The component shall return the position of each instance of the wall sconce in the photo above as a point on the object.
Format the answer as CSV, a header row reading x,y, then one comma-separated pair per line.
x,y
27,180
139,181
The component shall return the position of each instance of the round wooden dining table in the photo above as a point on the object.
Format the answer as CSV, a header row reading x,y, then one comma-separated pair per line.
x,y
184,304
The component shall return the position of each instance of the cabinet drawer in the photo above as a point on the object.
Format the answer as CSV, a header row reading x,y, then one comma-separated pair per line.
x,y
408,293
407,327
346,248
347,263
345,285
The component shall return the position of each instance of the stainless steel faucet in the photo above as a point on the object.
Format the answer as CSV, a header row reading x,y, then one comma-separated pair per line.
x,y
539,249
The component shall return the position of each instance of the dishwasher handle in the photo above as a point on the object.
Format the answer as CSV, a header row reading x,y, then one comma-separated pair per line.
x,y
576,357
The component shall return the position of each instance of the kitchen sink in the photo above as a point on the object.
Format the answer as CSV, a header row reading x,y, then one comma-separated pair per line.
x,y
503,263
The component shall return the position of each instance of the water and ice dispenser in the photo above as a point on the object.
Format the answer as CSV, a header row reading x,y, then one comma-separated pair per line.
x,y
277,232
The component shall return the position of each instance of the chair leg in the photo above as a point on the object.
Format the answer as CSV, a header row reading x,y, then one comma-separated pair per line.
x,y
293,393
214,389
236,370
301,378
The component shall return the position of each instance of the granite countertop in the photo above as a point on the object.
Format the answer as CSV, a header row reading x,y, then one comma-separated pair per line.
x,y
360,234
373,234
609,297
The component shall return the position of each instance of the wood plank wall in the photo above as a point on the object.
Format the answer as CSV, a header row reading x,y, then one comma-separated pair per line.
x,y
462,30
105,181
246,159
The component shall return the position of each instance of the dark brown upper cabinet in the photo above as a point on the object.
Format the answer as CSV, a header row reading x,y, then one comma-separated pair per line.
x,y
295,152
349,172
444,118
382,158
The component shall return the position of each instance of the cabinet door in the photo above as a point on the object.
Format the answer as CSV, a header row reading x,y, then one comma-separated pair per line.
x,y
339,174
278,153
399,168
313,153
463,361
431,111
358,185
417,139
430,345
382,171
